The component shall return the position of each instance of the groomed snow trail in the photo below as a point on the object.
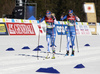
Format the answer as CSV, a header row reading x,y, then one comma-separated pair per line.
x,y
25,61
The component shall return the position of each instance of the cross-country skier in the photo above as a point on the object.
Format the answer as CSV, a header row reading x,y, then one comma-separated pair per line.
x,y
50,32
71,19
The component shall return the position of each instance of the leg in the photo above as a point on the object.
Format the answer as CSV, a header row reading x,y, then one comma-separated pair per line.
x,y
48,46
48,42
68,40
53,36
53,41
72,42
68,43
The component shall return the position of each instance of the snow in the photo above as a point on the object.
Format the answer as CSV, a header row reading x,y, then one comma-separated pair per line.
x,y
25,61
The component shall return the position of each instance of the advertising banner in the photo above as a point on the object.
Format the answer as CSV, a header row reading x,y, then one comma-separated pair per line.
x,y
98,28
3,29
7,20
61,29
82,29
39,28
33,27
89,8
86,29
77,30
20,29
16,20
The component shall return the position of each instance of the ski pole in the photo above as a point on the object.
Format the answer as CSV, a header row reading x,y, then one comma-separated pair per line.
x,y
61,33
76,40
53,49
38,44
61,38
76,36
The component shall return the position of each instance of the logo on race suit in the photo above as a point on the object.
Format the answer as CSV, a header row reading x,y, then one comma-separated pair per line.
x,y
61,30
20,29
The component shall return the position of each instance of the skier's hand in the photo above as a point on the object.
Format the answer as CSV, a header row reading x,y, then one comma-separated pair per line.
x,y
77,18
40,19
61,16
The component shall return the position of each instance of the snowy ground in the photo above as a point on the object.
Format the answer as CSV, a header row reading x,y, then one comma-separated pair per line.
x,y
25,61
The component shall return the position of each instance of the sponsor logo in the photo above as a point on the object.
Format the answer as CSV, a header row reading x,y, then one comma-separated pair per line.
x,y
40,29
3,29
20,29
61,30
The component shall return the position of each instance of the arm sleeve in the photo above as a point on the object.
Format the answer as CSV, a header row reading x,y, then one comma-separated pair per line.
x,y
42,19
55,21
77,18
64,17
54,18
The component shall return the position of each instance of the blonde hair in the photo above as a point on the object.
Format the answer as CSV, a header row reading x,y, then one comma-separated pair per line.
x,y
53,14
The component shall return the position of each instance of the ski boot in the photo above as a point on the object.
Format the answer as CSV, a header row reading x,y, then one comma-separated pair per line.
x,y
53,57
47,57
72,53
67,54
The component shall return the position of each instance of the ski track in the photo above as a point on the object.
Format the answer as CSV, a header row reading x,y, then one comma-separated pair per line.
x,y
25,61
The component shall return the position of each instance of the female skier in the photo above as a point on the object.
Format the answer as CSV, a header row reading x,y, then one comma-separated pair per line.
x,y
71,32
50,32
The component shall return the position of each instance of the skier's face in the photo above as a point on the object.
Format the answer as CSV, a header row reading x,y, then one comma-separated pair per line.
x,y
70,14
48,15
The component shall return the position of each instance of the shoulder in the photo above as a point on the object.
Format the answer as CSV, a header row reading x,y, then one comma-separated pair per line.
x,y
45,17
53,17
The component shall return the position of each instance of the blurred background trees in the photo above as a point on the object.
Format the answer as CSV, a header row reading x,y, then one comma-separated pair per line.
x,y
55,6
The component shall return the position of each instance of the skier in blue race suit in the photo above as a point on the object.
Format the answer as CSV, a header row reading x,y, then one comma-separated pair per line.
x,y
71,19
50,32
